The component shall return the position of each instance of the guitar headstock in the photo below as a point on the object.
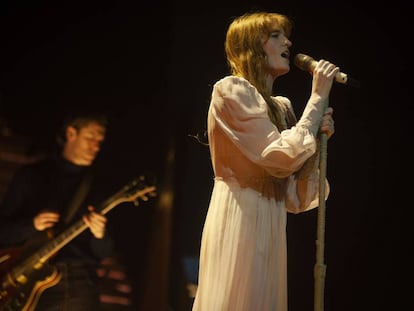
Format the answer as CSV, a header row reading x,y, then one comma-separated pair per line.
x,y
136,190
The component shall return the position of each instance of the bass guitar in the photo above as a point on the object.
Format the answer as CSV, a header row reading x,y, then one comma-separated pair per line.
x,y
24,280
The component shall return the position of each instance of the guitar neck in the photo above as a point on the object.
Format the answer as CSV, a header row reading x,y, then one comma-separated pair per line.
x,y
57,243
129,193
50,248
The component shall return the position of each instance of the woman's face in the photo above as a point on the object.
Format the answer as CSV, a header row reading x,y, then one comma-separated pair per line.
x,y
276,48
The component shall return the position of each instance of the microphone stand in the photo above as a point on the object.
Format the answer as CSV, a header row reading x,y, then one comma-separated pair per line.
x,y
320,267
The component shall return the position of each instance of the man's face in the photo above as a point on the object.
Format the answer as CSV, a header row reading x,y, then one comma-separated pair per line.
x,y
82,146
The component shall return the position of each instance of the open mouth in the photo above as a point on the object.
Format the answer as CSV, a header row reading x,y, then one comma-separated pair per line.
x,y
285,54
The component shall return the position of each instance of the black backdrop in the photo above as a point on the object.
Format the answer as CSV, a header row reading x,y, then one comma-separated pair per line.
x,y
152,65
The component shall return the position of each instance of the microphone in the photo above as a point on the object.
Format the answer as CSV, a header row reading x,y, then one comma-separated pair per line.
x,y
307,63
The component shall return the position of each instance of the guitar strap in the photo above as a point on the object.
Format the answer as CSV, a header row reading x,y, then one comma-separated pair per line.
x,y
79,197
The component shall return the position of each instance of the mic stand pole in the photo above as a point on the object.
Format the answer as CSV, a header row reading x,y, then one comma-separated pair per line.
x,y
320,267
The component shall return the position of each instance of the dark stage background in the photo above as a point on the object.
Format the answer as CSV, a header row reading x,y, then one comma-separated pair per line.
x,y
152,65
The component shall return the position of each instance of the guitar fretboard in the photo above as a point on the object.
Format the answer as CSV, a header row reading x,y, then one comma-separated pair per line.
x,y
128,193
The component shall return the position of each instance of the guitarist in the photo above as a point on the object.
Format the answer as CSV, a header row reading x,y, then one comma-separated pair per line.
x,y
41,201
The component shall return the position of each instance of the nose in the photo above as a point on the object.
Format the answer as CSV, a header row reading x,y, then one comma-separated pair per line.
x,y
288,42
95,146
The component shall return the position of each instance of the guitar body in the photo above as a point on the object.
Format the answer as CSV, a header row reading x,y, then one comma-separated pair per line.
x,y
22,292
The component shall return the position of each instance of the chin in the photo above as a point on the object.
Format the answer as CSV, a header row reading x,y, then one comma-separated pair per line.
x,y
280,73
85,163
285,70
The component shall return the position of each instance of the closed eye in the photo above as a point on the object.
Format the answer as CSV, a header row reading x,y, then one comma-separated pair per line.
x,y
275,34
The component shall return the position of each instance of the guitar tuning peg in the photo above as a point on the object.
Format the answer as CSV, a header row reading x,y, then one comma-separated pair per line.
x,y
144,198
136,202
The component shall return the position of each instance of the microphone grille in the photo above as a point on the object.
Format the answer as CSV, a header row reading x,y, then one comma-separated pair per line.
x,y
303,62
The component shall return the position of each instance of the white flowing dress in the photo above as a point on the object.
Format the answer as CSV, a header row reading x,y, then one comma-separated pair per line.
x,y
243,248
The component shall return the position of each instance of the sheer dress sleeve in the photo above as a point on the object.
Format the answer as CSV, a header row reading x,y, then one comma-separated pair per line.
x,y
241,113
